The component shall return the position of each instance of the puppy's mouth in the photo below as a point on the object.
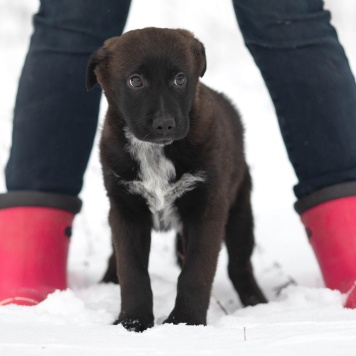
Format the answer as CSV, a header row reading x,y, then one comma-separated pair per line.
x,y
157,140
161,131
162,141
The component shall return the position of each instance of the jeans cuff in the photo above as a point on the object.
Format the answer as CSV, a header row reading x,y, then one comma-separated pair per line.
x,y
14,199
325,194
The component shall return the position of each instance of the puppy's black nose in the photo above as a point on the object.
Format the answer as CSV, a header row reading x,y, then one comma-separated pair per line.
x,y
163,126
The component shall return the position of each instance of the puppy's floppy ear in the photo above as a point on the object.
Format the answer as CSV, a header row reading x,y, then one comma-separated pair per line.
x,y
202,58
197,48
94,60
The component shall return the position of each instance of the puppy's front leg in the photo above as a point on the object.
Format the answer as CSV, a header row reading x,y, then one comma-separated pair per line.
x,y
131,238
195,281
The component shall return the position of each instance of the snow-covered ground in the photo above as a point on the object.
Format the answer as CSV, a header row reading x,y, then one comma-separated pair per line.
x,y
302,319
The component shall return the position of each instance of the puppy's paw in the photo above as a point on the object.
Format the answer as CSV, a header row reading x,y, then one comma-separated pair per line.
x,y
251,295
253,300
185,318
135,324
110,277
247,288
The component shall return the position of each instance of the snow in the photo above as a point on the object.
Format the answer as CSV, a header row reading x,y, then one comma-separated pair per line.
x,y
303,318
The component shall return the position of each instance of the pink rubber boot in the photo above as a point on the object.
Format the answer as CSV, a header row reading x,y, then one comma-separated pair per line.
x,y
34,244
331,227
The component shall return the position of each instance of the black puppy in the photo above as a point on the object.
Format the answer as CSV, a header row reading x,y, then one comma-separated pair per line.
x,y
172,156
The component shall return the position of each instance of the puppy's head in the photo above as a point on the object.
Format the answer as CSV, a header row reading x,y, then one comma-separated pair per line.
x,y
149,77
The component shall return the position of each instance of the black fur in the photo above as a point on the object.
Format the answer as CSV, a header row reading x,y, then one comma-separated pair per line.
x,y
204,135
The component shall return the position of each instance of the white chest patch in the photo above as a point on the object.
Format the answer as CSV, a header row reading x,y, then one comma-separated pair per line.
x,y
156,182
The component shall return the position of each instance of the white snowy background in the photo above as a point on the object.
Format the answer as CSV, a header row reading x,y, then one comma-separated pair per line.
x,y
301,319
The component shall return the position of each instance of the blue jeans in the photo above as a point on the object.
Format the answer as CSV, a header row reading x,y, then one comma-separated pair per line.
x,y
55,118
294,45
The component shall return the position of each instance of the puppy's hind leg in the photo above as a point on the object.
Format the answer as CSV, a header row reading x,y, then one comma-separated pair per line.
x,y
180,249
110,275
239,241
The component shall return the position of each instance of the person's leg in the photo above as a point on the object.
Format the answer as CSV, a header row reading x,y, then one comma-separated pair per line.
x,y
311,84
55,117
54,125
309,79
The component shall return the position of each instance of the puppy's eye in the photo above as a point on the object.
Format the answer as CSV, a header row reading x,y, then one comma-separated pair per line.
x,y
136,81
179,79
